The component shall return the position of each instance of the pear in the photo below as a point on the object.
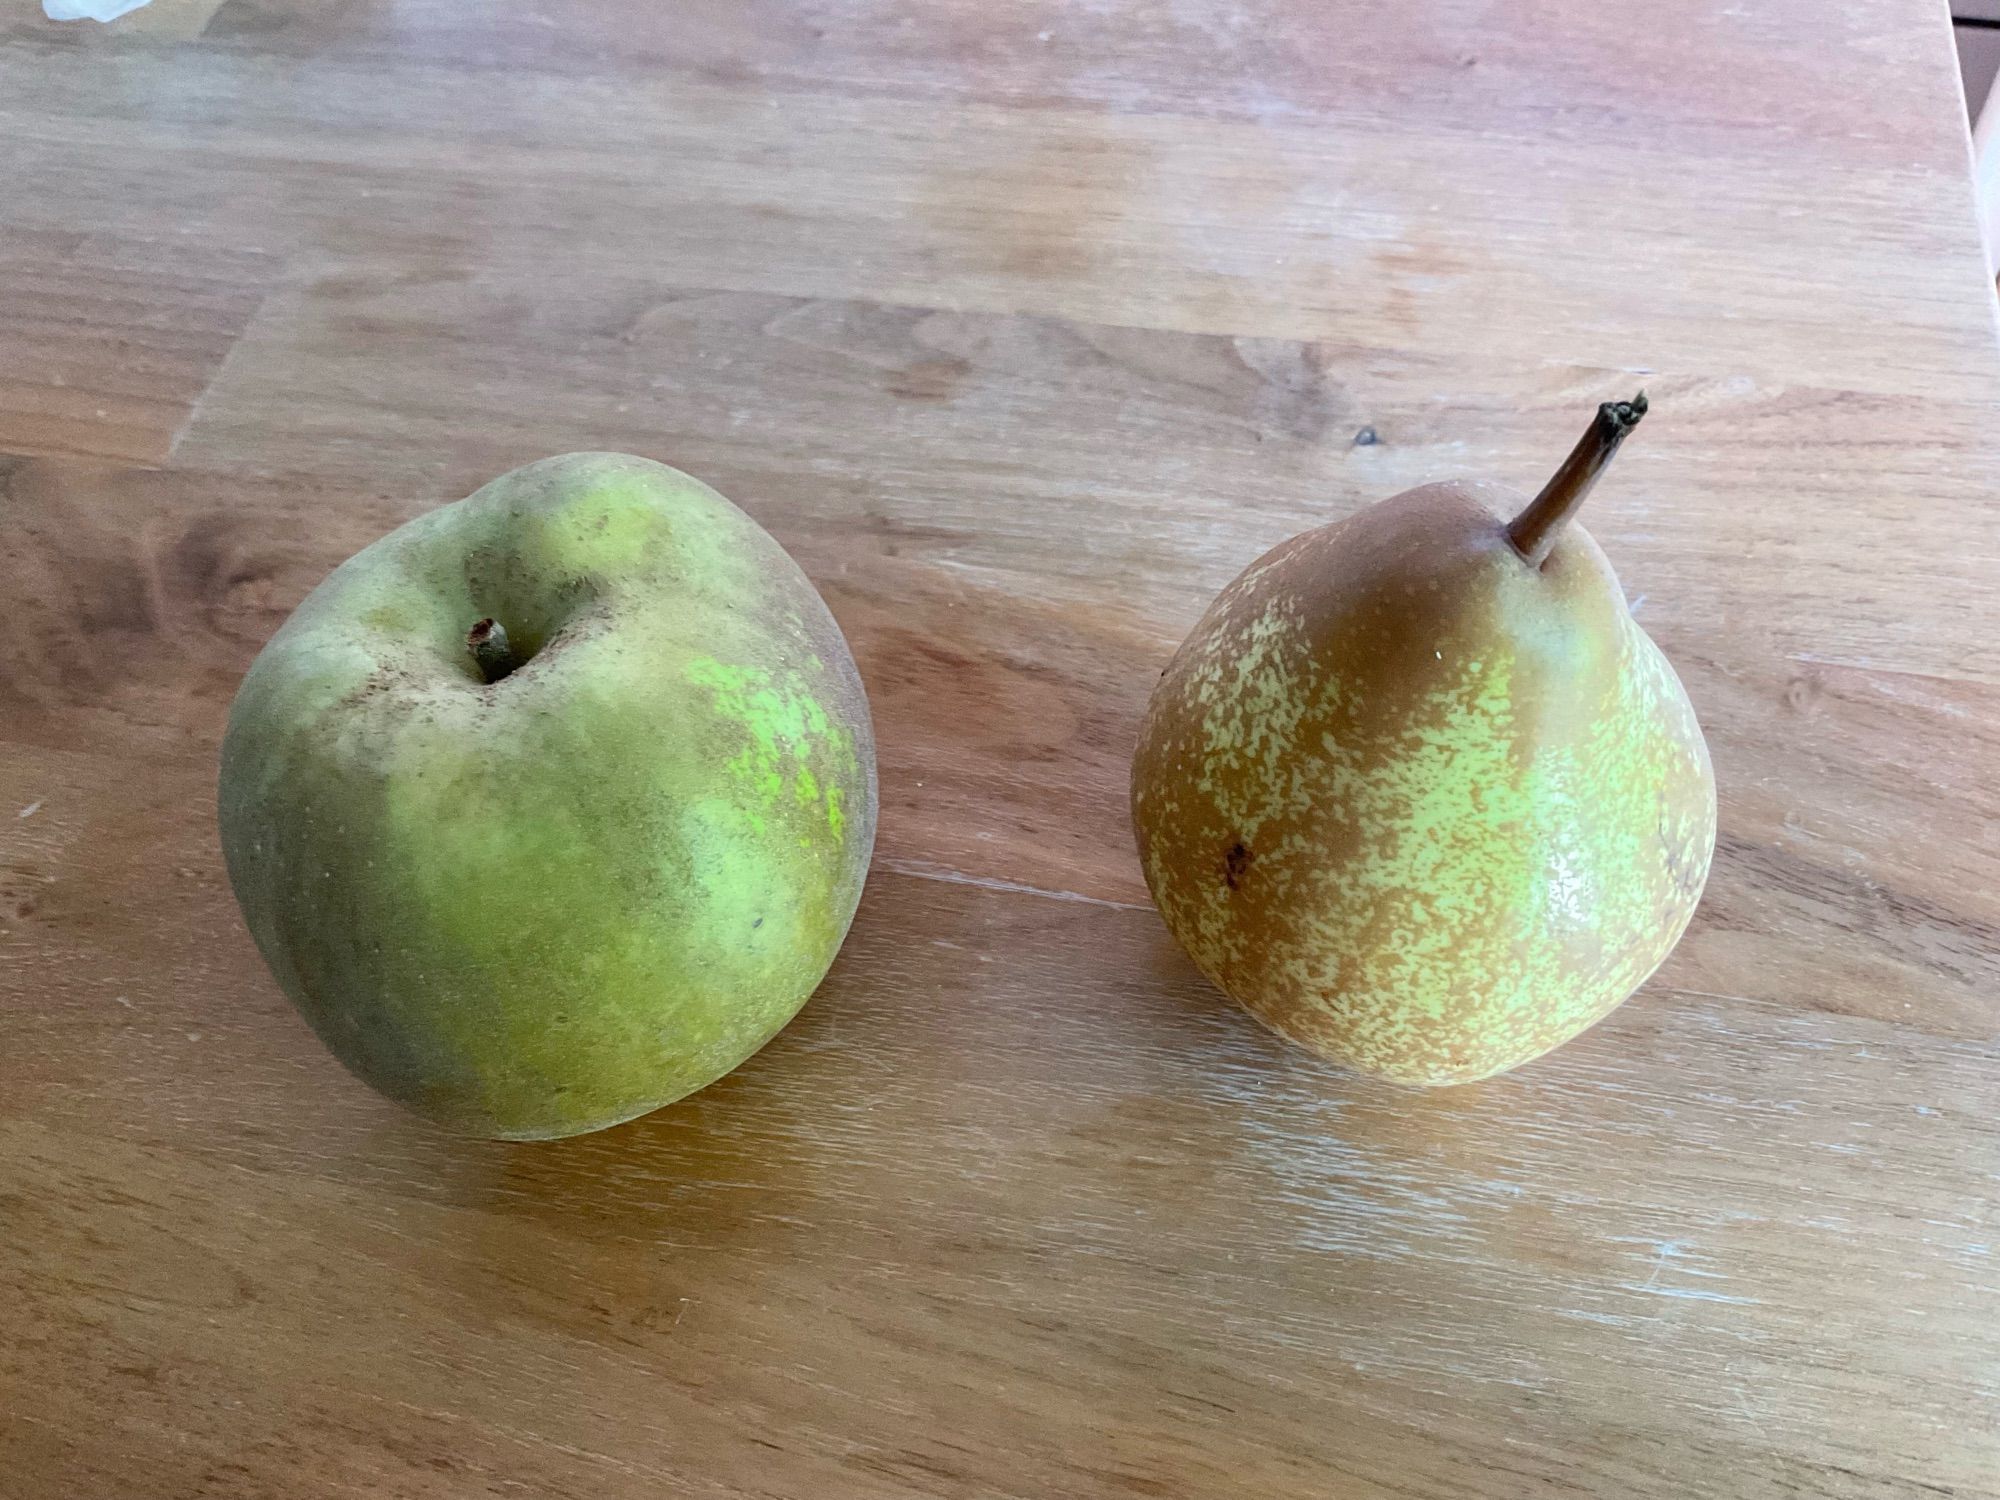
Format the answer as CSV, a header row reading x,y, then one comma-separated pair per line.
x,y
1418,792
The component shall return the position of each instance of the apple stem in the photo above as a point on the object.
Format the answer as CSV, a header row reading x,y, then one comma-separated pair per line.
x,y
487,641
1533,531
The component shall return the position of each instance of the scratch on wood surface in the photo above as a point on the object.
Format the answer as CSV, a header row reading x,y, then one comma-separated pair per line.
x,y
187,421
1677,1258
923,869
145,327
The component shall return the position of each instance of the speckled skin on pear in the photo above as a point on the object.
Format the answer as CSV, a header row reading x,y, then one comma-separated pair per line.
x,y
1417,805
547,904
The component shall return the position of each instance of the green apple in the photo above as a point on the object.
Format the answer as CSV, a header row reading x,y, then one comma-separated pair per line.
x,y
553,805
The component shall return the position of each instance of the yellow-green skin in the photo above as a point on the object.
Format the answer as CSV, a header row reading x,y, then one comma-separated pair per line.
x,y
539,906
1418,805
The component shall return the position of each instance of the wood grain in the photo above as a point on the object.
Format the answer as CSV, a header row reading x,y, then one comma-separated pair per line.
x,y
1025,328
110,342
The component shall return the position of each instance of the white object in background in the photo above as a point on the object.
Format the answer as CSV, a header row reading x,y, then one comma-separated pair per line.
x,y
89,10
1986,174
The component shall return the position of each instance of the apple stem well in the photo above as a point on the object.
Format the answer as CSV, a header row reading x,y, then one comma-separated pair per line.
x,y
1533,531
487,641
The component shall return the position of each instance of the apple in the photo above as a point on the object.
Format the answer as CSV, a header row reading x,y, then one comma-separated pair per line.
x,y
553,805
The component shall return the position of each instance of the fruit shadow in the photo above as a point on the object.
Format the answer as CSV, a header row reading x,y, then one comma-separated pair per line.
x,y
1288,1107
893,1081
746,1134
959,1054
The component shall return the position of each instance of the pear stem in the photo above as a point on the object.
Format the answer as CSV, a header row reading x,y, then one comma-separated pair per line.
x,y
487,641
1533,531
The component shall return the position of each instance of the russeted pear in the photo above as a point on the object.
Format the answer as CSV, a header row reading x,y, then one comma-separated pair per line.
x,y
1418,792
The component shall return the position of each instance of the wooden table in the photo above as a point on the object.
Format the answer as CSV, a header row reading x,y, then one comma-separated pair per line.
x,y
1025,326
